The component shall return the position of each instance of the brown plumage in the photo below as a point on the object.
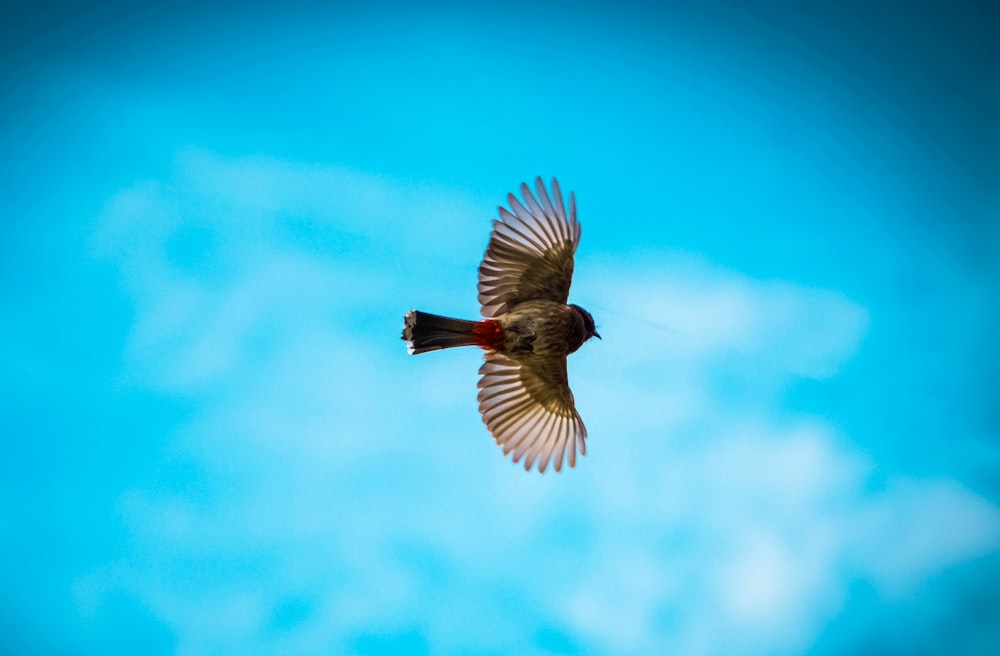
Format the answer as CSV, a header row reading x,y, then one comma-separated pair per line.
x,y
528,330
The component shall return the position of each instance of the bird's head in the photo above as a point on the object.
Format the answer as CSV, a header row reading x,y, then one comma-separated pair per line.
x,y
590,329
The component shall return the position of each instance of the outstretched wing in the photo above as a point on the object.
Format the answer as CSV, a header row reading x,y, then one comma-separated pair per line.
x,y
527,405
530,254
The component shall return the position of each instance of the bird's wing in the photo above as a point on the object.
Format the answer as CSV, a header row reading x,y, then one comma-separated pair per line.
x,y
530,254
527,405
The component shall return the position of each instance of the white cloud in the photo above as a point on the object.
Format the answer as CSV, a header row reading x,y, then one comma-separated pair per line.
x,y
683,309
198,324
914,529
329,467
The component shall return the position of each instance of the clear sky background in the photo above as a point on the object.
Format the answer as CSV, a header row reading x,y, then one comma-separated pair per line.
x,y
215,216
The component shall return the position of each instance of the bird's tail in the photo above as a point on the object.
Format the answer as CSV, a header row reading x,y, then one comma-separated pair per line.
x,y
424,332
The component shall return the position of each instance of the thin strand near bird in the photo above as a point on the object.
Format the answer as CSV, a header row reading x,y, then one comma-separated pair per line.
x,y
527,331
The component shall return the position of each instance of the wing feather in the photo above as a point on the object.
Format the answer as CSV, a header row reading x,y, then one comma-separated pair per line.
x,y
527,405
530,254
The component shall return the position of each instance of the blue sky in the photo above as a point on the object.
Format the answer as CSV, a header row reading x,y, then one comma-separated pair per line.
x,y
216,217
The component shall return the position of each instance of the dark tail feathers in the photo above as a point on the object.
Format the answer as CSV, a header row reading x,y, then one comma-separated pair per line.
x,y
429,332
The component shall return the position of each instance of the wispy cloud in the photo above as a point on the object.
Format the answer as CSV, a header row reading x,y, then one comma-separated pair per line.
x,y
328,486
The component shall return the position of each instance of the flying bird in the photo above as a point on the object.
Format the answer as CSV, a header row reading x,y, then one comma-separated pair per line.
x,y
527,331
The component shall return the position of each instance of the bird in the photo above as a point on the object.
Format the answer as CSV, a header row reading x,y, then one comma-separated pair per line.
x,y
527,331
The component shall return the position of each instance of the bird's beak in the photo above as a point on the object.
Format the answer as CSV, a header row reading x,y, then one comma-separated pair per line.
x,y
597,335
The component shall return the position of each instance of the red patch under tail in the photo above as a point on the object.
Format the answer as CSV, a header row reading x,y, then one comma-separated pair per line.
x,y
488,334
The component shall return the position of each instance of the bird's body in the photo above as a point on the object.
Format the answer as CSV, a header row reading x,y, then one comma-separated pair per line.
x,y
543,328
528,331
